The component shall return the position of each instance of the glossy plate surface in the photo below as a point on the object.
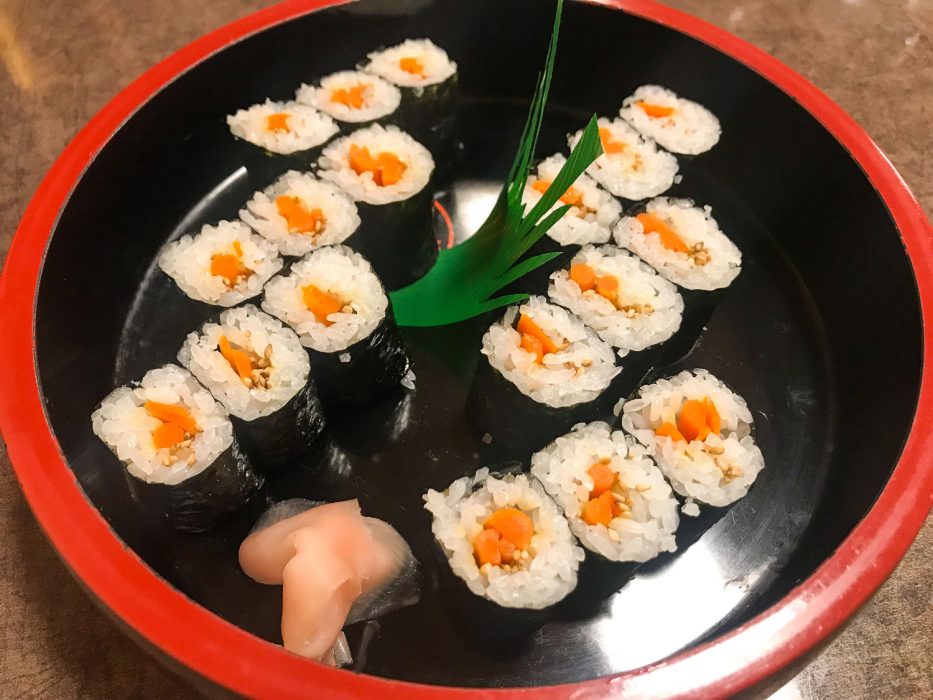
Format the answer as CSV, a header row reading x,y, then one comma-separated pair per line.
x,y
823,262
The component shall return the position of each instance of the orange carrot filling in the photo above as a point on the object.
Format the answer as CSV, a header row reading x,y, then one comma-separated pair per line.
x,y
572,196
387,168
512,524
486,548
299,218
697,419
669,430
669,238
277,122
655,111
531,344
322,304
239,360
609,144
603,478
599,510
412,65
587,279
535,340
353,97
177,424
230,265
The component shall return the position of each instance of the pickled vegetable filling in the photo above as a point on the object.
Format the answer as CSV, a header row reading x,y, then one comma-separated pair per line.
x,y
387,168
277,122
651,223
610,145
697,420
655,111
505,541
298,217
322,303
254,371
175,433
230,266
607,286
353,97
609,498
412,65
535,340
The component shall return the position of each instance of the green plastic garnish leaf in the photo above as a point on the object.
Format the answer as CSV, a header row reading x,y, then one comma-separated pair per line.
x,y
465,279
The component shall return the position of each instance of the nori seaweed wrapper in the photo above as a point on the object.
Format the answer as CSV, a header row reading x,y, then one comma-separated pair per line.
x,y
290,433
203,501
429,114
374,366
397,238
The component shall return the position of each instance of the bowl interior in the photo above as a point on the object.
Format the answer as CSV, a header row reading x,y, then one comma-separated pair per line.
x,y
820,333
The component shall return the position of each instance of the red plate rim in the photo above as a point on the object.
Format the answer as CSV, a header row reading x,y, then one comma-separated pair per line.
x,y
207,644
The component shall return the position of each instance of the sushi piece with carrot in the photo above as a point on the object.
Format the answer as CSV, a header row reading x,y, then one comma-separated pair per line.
x,y
676,123
339,309
508,549
354,98
258,370
336,567
699,432
177,446
388,175
274,137
541,371
430,87
685,244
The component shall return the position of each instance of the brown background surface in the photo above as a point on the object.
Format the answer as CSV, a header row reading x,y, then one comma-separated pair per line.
x,y
62,61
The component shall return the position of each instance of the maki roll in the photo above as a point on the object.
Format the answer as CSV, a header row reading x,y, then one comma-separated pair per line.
x,y
336,567
541,371
335,303
300,213
182,460
677,124
222,265
631,166
630,305
352,97
507,541
616,500
257,368
387,173
592,215
699,432
430,92
684,243
278,136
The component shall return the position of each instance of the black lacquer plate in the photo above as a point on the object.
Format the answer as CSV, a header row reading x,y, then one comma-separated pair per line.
x,y
823,264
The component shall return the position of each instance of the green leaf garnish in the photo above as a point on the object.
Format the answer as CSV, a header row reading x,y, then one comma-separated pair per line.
x,y
465,278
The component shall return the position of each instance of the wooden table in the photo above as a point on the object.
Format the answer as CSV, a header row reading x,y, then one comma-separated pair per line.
x,y
64,60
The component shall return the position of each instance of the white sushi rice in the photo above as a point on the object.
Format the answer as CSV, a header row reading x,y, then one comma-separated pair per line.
x,y
718,470
252,331
123,423
712,261
380,98
436,64
639,171
340,271
340,215
590,223
419,165
460,513
579,372
690,129
642,533
307,128
646,310
188,262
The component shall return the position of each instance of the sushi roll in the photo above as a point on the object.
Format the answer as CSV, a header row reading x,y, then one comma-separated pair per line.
x,y
616,500
541,371
278,136
336,567
678,124
258,370
387,173
300,213
592,215
631,166
352,97
177,445
506,540
630,305
699,432
430,93
222,265
684,243
335,303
